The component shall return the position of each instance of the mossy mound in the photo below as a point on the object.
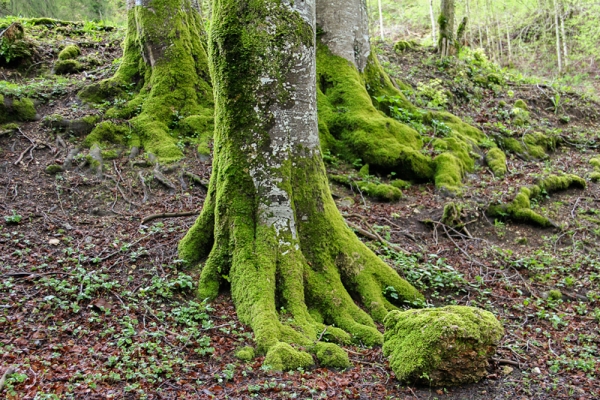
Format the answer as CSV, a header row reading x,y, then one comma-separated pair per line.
x,y
65,67
520,208
331,355
441,347
402,45
70,52
15,48
107,133
16,109
245,354
282,356
496,160
595,162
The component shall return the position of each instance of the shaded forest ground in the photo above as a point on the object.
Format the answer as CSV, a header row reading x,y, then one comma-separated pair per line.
x,y
94,303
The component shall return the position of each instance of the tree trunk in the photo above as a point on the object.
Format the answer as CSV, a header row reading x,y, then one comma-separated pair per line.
x,y
165,63
446,45
432,16
269,225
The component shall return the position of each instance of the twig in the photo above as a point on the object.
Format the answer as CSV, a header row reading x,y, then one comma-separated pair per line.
x,y
376,237
575,207
142,179
505,361
31,147
11,370
163,179
168,215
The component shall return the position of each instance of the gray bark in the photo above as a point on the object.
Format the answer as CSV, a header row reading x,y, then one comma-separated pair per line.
x,y
345,24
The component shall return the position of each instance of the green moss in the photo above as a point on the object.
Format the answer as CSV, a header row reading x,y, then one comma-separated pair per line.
x,y
400,184
10,127
555,295
496,160
380,191
521,104
245,354
282,356
331,355
595,162
53,169
364,171
64,67
107,132
444,346
520,208
403,45
70,52
110,155
448,173
534,145
595,176
23,109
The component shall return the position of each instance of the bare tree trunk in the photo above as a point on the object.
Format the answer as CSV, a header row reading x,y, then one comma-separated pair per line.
x,y
564,35
431,14
381,21
557,24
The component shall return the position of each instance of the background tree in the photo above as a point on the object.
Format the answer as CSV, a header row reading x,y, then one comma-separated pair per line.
x,y
446,43
164,77
269,225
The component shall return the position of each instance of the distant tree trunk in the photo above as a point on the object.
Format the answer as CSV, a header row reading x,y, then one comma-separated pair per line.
x,y
432,16
446,44
557,25
165,63
381,21
269,224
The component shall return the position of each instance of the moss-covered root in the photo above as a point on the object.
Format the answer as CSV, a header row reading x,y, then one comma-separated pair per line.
x,y
380,191
496,160
16,109
595,175
441,347
165,63
520,208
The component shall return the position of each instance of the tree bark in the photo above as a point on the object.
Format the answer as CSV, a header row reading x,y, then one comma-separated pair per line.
x,y
269,225
165,64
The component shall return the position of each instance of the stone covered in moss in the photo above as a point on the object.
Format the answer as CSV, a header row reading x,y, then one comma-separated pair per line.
x,y
380,191
70,52
21,109
496,160
521,104
331,355
65,67
520,208
54,169
534,145
107,132
245,354
400,184
282,356
441,347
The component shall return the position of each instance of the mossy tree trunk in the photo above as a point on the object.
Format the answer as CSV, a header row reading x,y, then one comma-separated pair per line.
x,y
447,41
269,225
163,76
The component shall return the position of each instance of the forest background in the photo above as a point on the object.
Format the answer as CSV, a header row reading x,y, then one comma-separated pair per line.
x,y
553,39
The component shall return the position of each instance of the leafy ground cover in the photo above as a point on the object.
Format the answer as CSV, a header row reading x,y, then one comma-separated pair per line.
x,y
95,304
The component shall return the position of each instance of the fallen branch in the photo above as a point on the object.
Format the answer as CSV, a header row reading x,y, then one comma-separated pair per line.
x,y
505,361
376,237
163,179
196,179
168,215
11,370
143,181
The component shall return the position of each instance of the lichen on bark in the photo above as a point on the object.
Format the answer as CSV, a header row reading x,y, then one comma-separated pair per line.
x,y
269,225
164,65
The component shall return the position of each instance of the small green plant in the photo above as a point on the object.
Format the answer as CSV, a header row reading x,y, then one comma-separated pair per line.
x,y
14,218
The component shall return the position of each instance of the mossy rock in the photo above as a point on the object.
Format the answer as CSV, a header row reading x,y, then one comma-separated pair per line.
x,y
400,184
65,67
54,169
595,176
107,132
70,52
521,104
16,109
283,357
534,145
402,45
441,347
79,126
595,162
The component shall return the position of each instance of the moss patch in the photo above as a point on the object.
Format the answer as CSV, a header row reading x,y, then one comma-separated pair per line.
x,y
496,160
16,109
70,52
445,346
245,354
106,132
65,67
331,355
379,191
520,208
282,357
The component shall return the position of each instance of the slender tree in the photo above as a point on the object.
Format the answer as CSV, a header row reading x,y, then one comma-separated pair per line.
x,y
269,225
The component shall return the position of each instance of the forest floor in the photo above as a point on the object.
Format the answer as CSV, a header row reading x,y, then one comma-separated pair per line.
x,y
94,303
